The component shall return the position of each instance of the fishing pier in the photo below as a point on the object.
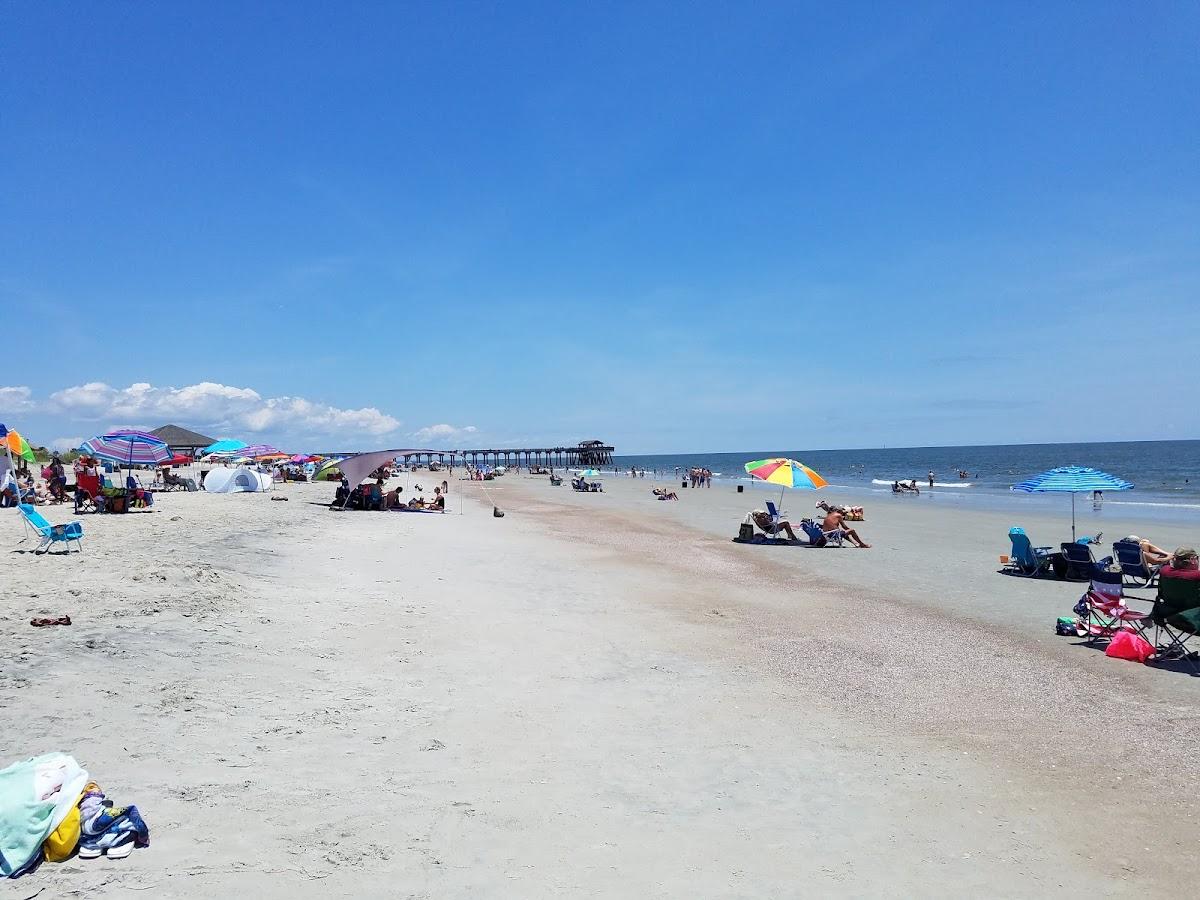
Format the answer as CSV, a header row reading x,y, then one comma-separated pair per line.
x,y
587,454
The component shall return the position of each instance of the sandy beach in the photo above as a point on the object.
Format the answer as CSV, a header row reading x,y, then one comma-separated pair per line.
x,y
596,695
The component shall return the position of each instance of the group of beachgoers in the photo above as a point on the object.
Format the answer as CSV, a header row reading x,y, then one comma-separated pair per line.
x,y
832,530
371,496
20,486
698,477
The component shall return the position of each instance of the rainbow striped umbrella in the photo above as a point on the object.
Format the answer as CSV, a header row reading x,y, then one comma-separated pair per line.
x,y
785,472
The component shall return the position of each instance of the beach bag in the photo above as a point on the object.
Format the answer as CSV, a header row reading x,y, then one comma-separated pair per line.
x,y
1130,646
1066,626
745,532
62,841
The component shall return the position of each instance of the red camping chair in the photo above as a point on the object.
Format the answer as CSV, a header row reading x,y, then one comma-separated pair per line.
x,y
87,489
1103,612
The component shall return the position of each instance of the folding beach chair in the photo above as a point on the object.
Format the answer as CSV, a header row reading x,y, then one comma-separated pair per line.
x,y
87,489
776,515
819,538
1103,611
1176,611
1027,559
1133,567
49,534
1079,560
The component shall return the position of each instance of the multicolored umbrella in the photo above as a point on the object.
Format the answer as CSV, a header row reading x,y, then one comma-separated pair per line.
x,y
15,444
259,450
19,446
1072,480
785,472
128,448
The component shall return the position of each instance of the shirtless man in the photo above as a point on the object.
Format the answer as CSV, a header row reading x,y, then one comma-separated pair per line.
x,y
835,521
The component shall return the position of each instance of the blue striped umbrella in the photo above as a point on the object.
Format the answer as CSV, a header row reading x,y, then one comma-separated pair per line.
x,y
1072,480
127,448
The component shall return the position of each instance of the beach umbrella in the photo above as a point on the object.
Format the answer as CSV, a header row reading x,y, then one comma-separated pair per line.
x,y
16,444
787,473
589,473
257,450
128,448
226,445
1072,480
270,457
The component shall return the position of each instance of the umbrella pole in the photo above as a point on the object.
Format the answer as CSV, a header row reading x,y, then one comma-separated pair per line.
x,y
12,469
1072,517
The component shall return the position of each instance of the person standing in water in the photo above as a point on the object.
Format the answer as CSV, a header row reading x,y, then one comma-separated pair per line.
x,y
931,477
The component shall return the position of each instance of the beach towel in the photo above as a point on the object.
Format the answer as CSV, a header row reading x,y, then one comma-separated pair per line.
x,y
105,826
36,795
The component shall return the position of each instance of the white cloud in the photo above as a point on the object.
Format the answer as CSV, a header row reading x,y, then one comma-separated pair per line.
x,y
212,405
15,399
63,444
447,435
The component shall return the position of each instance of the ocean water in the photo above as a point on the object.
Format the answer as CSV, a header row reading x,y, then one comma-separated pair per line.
x,y
1165,474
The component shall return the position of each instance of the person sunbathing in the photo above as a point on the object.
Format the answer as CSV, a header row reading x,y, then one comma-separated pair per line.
x,y
770,527
835,522
416,503
1152,556
664,494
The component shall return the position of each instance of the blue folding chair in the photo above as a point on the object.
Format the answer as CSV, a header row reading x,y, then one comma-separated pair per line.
x,y
1080,562
1027,559
50,534
1133,567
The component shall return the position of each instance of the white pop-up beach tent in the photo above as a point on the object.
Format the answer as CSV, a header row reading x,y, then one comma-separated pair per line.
x,y
229,481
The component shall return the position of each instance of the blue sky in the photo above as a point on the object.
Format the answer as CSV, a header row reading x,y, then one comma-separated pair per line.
x,y
672,227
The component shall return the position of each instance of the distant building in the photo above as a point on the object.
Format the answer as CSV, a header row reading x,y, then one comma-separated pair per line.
x,y
182,440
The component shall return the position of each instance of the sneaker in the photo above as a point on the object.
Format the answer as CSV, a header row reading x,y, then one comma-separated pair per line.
x,y
117,846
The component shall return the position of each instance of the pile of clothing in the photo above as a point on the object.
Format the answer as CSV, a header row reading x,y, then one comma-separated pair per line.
x,y
49,809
